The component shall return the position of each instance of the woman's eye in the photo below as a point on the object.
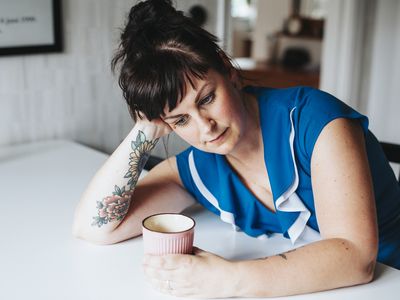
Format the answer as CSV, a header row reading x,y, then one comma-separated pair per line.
x,y
208,99
181,122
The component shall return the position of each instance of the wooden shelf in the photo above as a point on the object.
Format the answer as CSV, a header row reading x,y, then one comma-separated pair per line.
x,y
275,75
299,36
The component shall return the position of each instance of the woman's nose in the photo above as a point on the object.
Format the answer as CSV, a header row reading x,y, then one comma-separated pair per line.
x,y
206,124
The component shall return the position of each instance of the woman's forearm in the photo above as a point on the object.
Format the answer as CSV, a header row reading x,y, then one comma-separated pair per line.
x,y
106,200
319,266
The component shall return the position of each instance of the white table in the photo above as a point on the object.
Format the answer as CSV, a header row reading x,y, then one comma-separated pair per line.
x,y
40,186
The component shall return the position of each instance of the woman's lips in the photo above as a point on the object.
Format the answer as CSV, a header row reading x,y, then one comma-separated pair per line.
x,y
220,137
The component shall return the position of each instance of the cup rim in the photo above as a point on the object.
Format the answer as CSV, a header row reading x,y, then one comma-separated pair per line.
x,y
175,232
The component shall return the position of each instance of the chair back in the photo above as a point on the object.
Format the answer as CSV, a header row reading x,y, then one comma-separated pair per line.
x,y
392,152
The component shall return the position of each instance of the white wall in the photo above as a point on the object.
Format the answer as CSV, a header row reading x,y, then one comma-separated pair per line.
x,y
73,94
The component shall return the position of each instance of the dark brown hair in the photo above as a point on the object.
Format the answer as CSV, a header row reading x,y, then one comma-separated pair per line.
x,y
160,51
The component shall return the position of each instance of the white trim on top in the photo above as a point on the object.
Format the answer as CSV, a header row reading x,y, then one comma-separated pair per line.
x,y
225,216
290,202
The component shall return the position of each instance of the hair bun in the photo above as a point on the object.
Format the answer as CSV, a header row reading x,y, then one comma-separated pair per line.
x,y
148,22
151,13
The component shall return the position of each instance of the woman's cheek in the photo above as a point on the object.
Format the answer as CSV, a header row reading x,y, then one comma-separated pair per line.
x,y
187,135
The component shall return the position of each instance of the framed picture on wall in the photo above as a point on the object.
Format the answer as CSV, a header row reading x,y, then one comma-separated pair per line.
x,y
30,26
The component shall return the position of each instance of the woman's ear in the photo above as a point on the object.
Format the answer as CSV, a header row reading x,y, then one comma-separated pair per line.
x,y
234,74
234,77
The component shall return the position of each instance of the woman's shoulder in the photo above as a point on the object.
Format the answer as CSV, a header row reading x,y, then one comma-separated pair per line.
x,y
274,92
304,98
281,97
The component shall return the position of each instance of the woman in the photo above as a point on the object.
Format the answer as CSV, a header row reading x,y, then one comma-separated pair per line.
x,y
295,161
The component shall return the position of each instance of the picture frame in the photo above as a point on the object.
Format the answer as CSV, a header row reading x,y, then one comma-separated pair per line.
x,y
30,26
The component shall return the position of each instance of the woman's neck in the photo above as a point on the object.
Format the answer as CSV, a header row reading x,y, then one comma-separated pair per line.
x,y
251,142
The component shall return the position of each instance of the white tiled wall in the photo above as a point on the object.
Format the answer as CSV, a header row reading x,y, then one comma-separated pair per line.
x,y
72,94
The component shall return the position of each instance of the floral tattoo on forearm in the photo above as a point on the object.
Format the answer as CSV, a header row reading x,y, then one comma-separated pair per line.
x,y
112,208
115,207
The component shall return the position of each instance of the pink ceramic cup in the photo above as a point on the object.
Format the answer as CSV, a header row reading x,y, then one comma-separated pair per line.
x,y
168,233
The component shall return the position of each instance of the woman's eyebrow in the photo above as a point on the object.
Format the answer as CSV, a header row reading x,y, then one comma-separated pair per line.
x,y
195,101
201,91
173,117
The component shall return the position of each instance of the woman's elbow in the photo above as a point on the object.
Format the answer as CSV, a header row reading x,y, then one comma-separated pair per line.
x,y
97,240
92,237
361,260
367,264
367,274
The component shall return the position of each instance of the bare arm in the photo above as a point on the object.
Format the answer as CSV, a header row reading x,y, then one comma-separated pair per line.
x,y
105,213
345,207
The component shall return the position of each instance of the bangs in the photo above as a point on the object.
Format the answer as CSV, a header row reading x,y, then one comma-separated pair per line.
x,y
160,81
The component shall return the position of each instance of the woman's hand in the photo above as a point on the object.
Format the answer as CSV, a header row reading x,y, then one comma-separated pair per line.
x,y
202,275
158,126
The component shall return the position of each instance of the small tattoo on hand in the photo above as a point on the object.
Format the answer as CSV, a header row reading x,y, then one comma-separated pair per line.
x,y
283,256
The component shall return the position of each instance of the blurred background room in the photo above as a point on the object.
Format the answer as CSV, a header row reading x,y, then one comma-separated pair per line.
x,y
63,88
62,113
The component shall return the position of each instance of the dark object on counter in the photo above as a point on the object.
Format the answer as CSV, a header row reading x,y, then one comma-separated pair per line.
x,y
198,14
304,27
294,57
392,153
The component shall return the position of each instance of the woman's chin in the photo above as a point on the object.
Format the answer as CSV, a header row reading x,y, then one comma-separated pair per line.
x,y
222,149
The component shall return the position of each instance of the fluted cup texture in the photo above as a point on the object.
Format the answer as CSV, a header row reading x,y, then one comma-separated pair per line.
x,y
168,234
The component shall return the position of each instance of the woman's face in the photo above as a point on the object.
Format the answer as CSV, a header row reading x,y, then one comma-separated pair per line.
x,y
211,116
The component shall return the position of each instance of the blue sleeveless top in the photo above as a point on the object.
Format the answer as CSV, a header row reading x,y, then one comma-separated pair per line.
x,y
291,121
